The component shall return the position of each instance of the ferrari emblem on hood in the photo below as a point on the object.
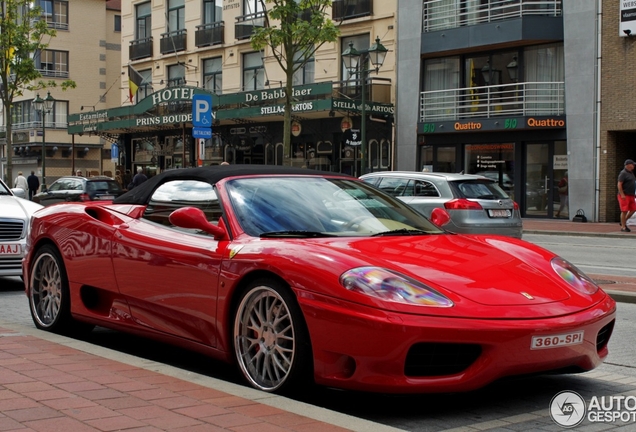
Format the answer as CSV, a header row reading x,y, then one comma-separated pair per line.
x,y
526,295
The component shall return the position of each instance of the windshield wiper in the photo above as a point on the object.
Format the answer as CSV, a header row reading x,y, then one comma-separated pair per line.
x,y
401,231
296,234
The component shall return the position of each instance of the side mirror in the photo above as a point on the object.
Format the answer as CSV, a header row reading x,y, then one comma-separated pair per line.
x,y
19,192
440,217
194,218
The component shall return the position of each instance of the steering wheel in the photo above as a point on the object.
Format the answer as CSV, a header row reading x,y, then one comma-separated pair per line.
x,y
355,221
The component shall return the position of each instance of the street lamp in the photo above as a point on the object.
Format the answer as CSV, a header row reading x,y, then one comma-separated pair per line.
x,y
356,63
43,106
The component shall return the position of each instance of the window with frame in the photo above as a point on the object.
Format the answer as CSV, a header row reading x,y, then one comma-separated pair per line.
x,y
306,73
55,12
176,75
212,11
117,23
145,88
253,71
213,75
176,15
143,22
360,42
22,114
52,63
252,6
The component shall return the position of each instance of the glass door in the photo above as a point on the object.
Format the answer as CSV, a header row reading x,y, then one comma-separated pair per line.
x,y
546,180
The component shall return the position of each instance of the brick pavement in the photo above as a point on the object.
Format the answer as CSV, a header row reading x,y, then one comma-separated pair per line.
x,y
52,383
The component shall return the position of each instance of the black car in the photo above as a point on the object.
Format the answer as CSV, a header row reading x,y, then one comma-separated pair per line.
x,y
79,189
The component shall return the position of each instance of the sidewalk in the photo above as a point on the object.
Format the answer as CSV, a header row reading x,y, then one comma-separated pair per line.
x,y
50,383
621,288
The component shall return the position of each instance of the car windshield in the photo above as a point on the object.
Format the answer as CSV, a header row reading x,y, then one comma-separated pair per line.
x,y
318,207
4,190
480,189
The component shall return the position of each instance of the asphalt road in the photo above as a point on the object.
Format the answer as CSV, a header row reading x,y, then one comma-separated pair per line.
x,y
518,404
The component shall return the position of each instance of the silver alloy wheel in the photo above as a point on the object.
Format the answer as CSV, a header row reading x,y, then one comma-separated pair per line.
x,y
46,290
264,339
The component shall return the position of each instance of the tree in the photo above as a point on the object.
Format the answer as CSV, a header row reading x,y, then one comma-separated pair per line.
x,y
22,34
294,30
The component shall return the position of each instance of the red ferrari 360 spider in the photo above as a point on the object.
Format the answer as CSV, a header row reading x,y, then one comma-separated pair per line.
x,y
298,275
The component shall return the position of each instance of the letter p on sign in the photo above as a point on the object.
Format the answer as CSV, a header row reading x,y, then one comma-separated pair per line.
x,y
202,110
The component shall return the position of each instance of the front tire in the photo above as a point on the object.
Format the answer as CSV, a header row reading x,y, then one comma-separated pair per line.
x,y
271,343
49,295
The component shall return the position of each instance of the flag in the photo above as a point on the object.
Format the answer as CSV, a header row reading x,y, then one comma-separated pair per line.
x,y
134,81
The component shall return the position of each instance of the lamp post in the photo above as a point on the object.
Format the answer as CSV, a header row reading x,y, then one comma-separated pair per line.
x,y
356,63
43,106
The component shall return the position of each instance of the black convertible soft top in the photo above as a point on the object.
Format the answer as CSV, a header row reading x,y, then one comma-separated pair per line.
x,y
210,174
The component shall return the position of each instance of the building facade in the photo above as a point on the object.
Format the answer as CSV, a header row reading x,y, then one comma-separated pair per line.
x,y
508,89
175,49
87,51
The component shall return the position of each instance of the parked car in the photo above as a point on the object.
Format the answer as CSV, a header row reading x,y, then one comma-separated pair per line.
x,y
74,188
476,204
294,274
15,213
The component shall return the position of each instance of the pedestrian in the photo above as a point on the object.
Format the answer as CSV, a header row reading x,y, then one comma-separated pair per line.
x,y
626,190
78,173
21,182
225,163
34,184
138,179
563,194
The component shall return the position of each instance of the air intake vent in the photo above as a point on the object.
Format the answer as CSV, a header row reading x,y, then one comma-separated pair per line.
x,y
435,359
604,335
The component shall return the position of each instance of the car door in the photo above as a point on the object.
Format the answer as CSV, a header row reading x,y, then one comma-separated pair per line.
x,y
168,274
423,196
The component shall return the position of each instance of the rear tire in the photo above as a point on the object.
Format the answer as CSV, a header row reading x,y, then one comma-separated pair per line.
x,y
271,341
49,294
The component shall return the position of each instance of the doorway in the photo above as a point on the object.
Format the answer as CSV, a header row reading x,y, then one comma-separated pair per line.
x,y
546,180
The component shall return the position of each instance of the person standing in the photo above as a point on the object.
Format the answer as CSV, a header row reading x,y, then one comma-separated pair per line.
x,y
139,178
21,182
563,194
626,190
34,184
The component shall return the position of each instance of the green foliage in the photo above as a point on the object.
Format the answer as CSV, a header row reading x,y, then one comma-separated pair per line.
x,y
23,33
294,29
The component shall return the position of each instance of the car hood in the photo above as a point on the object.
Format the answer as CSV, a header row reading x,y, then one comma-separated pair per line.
x,y
489,270
476,272
17,208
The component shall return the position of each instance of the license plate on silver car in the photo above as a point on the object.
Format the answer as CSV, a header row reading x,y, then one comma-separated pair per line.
x,y
497,213
107,197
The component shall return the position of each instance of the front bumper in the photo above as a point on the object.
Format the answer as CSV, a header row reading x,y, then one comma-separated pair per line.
x,y
361,348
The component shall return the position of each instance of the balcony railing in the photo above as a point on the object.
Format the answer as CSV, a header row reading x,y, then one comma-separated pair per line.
x,y
53,73
140,48
347,9
520,99
209,34
377,90
440,15
173,41
246,23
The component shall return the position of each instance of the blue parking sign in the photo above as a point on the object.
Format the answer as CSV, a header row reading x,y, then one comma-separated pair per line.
x,y
202,110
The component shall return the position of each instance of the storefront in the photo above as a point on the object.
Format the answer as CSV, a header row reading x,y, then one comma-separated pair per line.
x,y
156,133
526,155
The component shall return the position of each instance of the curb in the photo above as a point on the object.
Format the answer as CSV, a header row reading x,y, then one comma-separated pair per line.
x,y
622,296
575,234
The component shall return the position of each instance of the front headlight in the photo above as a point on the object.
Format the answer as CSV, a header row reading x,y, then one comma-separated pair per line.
x,y
573,276
392,286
